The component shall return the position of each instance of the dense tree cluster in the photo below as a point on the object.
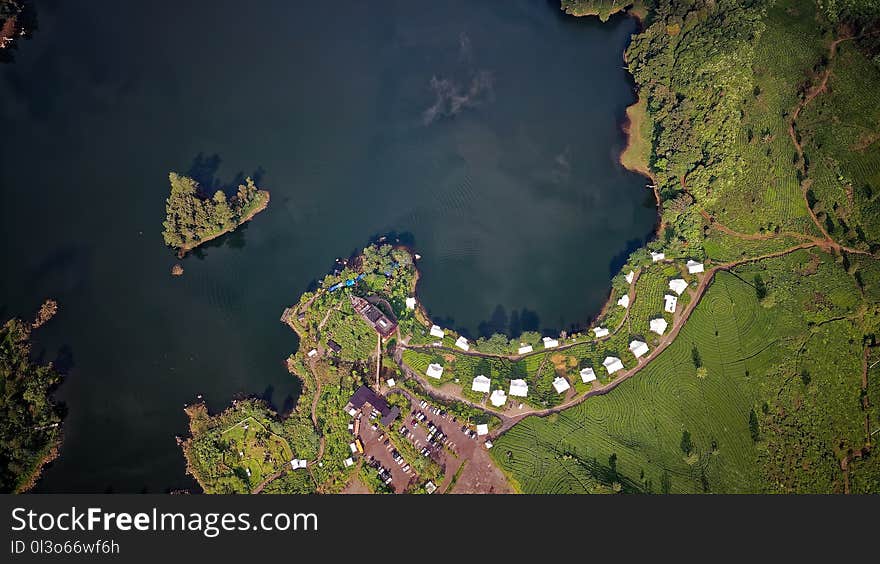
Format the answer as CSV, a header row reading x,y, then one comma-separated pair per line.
x,y
692,63
192,217
850,10
604,9
29,432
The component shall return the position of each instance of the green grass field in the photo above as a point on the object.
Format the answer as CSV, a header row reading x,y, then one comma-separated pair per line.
x,y
236,450
253,451
753,354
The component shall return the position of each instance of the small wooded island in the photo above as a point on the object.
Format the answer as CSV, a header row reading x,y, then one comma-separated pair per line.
x,y
192,218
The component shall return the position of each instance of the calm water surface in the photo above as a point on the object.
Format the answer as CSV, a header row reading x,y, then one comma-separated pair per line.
x,y
486,132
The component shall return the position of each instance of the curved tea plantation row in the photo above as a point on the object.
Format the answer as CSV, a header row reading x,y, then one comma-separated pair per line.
x,y
753,395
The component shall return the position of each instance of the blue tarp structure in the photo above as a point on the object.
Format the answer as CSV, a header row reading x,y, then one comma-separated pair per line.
x,y
348,283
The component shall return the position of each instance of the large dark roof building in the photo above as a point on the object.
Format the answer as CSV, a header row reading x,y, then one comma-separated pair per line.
x,y
373,316
366,396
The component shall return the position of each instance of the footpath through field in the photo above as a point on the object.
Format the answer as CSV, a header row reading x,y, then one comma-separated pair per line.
x,y
508,421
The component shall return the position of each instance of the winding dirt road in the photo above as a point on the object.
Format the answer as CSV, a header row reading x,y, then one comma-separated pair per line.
x,y
508,421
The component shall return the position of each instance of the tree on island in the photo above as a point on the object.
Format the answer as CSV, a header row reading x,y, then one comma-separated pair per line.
x,y
29,420
191,217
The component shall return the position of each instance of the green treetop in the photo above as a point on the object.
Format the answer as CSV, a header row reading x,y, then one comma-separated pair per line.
x,y
192,218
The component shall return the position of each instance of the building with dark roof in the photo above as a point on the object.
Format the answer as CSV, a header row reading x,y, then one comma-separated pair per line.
x,y
373,316
334,346
364,396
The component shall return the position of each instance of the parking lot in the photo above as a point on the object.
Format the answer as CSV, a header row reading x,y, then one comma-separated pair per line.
x,y
452,444
378,450
458,444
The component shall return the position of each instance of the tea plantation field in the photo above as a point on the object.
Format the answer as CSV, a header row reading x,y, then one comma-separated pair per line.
x,y
753,395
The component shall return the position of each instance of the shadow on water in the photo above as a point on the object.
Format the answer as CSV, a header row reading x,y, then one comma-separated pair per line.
x,y
65,269
233,240
288,405
516,324
497,323
203,170
618,260
64,360
267,394
283,407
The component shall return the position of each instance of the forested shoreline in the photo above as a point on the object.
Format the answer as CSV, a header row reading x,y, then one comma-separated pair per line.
x,y
30,433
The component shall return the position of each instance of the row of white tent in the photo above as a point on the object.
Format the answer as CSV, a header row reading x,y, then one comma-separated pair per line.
x,y
482,384
677,285
463,344
612,364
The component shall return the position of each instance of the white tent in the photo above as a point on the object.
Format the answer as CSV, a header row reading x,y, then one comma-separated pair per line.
x,y
671,302
587,375
561,384
481,384
519,388
348,462
623,301
600,332
410,303
313,352
550,343
612,364
659,325
462,343
435,370
297,463
657,256
694,267
482,429
390,382
498,398
678,285
629,277
638,348
524,349
436,331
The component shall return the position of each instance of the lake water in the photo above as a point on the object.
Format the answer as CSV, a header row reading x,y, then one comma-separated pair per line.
x,y
486,132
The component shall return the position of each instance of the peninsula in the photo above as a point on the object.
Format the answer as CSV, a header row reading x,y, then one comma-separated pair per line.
x,y
193,218
30,432
737,351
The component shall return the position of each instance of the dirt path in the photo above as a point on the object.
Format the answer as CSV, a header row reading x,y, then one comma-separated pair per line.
x,y
807,182
508,421
515,357
715,224
866,449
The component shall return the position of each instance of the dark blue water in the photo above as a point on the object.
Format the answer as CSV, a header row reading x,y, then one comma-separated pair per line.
x,y
486,132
